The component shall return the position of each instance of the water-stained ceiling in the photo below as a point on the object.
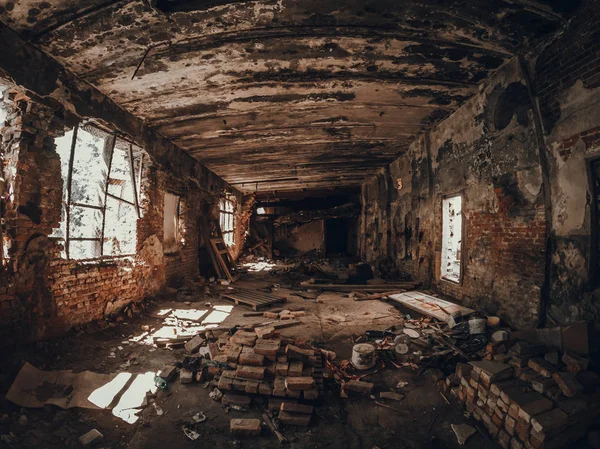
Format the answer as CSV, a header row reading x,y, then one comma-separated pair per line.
x,y
287,94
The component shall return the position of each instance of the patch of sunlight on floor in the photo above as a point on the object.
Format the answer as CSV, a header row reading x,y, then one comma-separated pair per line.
x,y
189,314
134,399
103,396
260,266
224,308
216,316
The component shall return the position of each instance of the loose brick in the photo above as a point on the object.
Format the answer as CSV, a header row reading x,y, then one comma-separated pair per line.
x,y
568,383
295,369
194,344
250,372
541,366
281,369
186,376
245,427
299,383
251,359
265,388
575,363
357,386
265,331
295,353
549,421
236,399
311,394
294,419
296,408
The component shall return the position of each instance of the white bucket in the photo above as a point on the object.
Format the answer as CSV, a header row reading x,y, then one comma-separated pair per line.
x,y
363,356
477,326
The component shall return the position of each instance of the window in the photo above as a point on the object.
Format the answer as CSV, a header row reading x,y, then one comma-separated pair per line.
x,y
227,220
451,238
100,198
171,222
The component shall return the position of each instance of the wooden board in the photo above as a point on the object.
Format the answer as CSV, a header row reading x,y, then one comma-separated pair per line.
x,y
361,287
429,305
251,298
222,255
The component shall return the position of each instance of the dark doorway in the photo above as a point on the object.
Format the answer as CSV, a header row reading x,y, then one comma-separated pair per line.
x,y
337,232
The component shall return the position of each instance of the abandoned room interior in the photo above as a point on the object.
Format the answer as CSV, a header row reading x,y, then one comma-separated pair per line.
x,y
297,223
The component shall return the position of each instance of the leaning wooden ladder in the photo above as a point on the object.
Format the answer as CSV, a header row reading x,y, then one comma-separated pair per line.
x,y
223,257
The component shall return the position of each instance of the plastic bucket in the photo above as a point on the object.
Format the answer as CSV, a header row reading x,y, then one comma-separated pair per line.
x,y
477,326
363,356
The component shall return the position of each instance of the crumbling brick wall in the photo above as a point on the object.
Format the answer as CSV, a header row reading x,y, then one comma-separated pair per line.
x,y
495,167
41,293
567,82
488,151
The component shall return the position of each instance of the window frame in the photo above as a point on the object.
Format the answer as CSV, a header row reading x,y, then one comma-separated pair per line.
x,y
227,199
111,141
443,277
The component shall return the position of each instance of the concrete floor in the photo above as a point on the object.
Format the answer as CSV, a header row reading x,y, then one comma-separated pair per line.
x,y
355,422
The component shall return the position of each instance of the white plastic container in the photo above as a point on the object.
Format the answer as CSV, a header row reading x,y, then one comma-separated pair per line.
x,y
477,326
363,356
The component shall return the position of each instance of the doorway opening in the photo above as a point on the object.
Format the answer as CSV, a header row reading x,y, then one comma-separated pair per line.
x,y
340,237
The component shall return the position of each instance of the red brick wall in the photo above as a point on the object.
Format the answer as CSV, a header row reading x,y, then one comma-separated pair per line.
x,y
42,294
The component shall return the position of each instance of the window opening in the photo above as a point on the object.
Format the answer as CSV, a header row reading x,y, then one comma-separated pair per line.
x,y
172,208
451,238
227,220
100,204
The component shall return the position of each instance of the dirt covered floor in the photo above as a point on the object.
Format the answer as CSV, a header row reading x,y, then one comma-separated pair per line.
x,y
332,320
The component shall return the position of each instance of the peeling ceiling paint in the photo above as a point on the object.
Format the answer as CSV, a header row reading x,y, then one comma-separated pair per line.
x,y
271,90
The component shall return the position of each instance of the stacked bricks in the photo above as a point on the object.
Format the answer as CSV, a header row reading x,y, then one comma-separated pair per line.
x,y
530,402
275,367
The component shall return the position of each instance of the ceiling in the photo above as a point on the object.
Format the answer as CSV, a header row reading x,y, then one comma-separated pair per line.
x,y
286,95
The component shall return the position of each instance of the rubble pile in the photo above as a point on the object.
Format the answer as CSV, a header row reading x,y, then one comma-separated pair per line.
x,y
531,399
258,363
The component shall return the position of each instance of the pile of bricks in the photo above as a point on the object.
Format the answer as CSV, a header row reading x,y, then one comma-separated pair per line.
x,y
276,367
533,399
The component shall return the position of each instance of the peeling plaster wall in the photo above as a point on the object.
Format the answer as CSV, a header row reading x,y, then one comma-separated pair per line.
x,y
568,84
487,152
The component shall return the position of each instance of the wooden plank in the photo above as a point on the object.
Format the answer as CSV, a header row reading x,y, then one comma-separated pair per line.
x,y
361,287
430,305
251,301
258,295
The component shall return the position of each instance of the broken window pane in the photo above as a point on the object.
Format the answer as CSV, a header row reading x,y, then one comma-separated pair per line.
x,y
120,228
90,167
85,222
84,249
120,183
63,148
91,183
451,238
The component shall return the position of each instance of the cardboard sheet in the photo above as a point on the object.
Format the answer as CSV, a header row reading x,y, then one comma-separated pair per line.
x,y
34,388
123,393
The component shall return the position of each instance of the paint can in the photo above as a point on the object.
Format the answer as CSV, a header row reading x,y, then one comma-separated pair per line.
x,y
477,326
363,356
